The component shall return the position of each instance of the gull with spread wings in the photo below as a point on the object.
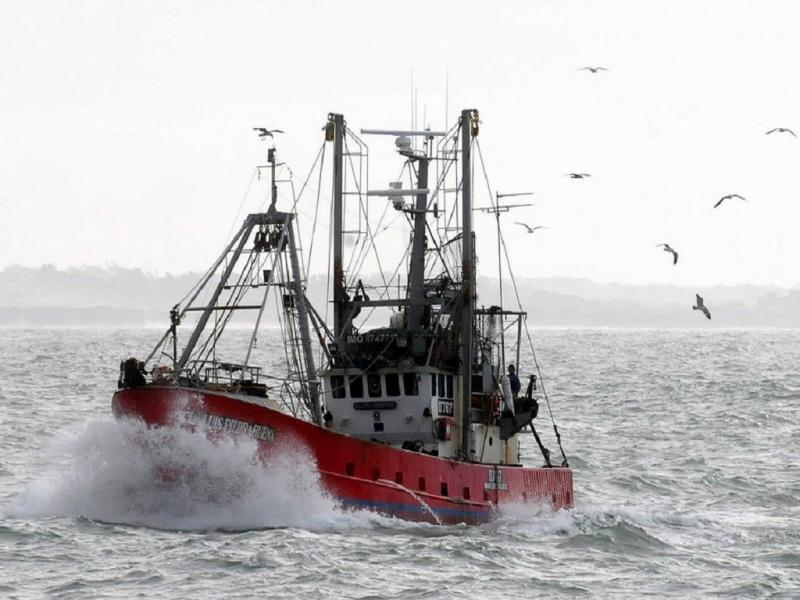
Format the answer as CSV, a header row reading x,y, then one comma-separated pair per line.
x,y
529,228
263,132
668,248
729,197
701,306
781,130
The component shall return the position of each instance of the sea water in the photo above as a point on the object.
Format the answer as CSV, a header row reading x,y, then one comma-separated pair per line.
x,y
685,446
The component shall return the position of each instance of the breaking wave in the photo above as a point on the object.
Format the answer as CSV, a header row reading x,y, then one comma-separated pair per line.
x,y
122,472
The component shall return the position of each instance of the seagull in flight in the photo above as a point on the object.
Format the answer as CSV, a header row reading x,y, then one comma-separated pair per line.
x,y
593,69
668,248
529,228
729,197
701,307
264,133
578,175
781,130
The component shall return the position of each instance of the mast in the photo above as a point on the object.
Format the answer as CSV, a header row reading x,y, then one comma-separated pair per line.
x,y
416,279
467,277
339,293
302,318
274,190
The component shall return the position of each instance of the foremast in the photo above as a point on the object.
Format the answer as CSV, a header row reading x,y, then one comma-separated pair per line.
x,y
334,132
266,245
469,128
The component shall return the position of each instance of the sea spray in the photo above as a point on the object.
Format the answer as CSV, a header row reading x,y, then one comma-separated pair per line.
x,y
170,478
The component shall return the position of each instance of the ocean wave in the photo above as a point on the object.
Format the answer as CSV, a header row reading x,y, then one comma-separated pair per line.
x,y
121,472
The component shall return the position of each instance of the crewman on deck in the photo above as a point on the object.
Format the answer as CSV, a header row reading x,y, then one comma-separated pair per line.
x,y
514,381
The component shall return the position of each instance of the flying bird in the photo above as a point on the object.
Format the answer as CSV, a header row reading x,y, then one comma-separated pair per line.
x,y
667,248
263,132
529,228
781,130
701,307
729,197
593,69
578,175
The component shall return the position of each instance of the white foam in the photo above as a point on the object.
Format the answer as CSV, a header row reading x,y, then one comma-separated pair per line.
x,y
115,472
539,519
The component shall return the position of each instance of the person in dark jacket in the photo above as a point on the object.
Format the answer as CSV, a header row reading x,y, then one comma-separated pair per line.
x,y
514,381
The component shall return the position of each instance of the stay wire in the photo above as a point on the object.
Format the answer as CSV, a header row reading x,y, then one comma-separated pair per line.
x,y
366,220
321,159
227,237
363,253
519,304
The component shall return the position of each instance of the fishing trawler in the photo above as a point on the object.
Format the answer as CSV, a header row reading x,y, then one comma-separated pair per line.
x,y
405,410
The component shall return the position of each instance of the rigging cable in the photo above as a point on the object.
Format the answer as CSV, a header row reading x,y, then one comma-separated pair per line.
x,y
241,203
364,250
321,158
227,237
386,289
366,220
519,303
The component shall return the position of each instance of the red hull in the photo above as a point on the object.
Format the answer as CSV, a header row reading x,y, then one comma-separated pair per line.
x,y
363,474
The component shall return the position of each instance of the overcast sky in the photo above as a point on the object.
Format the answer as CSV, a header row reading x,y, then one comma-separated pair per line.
x,y
125,127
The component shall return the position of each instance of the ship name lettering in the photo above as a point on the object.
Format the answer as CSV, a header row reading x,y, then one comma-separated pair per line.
x,y
256,430
370,338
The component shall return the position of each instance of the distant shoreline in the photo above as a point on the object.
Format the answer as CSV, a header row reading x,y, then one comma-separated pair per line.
x,y
42,317
119,297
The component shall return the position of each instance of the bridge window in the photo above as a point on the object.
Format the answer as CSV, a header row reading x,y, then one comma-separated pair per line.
x,y
433,384
356,387
410,384
337,387
441,385
392,384
449,386
374,385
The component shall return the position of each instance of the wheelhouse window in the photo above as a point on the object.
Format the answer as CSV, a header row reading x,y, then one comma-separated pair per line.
x,y
356,387
441,385
449,386
433,384
337,386
374,385
410,384
392,384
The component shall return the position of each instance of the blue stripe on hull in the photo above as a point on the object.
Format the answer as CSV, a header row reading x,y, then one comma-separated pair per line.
x,y
400,507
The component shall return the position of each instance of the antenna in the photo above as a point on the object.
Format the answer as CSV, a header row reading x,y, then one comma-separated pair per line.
x,y
411,98
416,111
495,210
446,96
